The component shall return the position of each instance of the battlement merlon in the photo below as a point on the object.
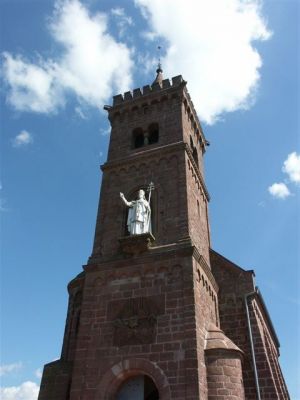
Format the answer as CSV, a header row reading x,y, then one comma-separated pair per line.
x,y
152,92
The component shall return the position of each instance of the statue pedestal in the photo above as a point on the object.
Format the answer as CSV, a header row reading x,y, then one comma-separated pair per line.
x,y
136,244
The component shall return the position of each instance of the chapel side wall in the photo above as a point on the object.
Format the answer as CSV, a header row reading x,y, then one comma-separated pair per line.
x,y
57,375
75,289
56,381
271,381
169,200
235,283
112,293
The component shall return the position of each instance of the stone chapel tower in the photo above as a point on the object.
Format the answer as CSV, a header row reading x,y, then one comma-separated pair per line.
x,y
159,315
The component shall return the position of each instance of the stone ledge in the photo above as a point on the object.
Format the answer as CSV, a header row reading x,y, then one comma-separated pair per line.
x,y
136,244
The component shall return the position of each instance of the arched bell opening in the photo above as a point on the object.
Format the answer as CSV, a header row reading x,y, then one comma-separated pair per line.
x,y
138,138
153,133
140,387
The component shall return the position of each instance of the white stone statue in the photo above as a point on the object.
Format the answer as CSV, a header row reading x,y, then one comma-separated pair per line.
x,y
139,214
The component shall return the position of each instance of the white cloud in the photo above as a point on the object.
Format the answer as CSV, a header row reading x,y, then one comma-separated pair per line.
x,y
38,373
123,20
105,132
26,391
32,87
148,62
80,112
211,43
89,65
22,139
8,368
279,190
291,166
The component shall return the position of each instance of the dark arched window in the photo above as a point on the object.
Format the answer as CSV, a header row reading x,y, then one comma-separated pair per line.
x,y
138,138
153,133
138,387
194,151
195,156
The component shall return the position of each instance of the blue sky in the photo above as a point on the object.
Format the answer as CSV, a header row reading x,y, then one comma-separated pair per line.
x,y
61,62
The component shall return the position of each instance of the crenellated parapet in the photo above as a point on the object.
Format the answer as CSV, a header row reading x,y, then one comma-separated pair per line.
x,y
156,87
140,99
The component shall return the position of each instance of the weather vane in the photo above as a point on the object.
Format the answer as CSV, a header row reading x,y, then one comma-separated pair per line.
x,y
159,63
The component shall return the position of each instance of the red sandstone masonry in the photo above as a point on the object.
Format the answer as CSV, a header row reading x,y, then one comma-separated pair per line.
x,y
175,330
224,376
149,314
236,283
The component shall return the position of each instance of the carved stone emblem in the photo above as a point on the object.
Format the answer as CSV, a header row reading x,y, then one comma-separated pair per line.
x,y
136,323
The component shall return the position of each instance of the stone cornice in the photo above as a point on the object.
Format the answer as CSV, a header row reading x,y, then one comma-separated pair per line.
x,y
157,151
183,248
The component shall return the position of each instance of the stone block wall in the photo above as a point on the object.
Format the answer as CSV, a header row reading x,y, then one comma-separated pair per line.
x,y
75,289
162,107
205,312
56,381
197,198
271,381
141,309
235,283
169,202
224,375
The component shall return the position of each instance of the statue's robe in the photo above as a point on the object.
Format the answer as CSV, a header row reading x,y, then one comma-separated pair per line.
x,y
139,220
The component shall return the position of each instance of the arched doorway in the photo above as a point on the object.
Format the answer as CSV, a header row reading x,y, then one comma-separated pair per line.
x,y
139,387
